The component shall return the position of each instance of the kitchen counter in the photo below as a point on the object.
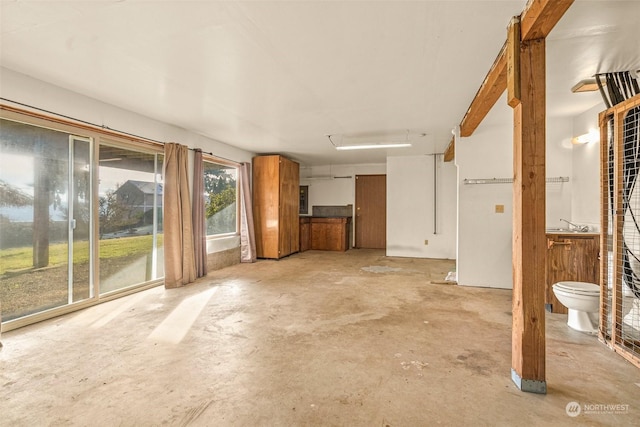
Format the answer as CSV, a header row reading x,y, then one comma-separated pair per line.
x,y
322,233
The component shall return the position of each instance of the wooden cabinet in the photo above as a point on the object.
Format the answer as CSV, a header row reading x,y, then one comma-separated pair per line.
x,y
276,196
305,233
570,257
330,234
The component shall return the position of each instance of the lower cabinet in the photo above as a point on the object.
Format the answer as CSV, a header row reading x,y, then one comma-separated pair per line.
x,y
330,234
570,257
305,233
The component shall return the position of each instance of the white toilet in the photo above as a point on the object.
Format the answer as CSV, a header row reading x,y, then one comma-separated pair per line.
x,y
583,301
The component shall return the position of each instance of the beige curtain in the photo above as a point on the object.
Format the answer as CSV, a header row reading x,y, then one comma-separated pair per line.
x,y
199,226
179,264
247,234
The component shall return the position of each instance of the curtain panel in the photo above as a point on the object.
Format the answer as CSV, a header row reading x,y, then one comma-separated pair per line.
x,y
247,234
179,262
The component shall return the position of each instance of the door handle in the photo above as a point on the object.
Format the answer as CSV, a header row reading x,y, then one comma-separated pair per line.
x,y
552,243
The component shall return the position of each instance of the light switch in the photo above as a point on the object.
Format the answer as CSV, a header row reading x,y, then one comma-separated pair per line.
x,y
499,208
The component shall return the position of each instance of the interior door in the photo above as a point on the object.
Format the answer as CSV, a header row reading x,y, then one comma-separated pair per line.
x,y
371,212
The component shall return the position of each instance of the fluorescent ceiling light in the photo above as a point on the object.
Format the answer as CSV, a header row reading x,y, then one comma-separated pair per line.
x,y
370,142
373,146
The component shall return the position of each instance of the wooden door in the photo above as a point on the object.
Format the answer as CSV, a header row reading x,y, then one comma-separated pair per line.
x,y
570,258
371,211
266,196
289,232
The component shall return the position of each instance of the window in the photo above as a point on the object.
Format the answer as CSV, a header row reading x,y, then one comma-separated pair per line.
x,y
220,204
130,217
45,221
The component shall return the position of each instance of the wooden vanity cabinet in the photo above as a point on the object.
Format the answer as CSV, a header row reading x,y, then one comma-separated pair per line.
x,y
570,257
276,201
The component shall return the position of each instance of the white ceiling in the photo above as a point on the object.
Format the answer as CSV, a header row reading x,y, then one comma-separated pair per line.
x,y
278,76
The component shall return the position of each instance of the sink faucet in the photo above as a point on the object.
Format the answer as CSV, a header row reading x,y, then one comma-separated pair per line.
x,y
581,228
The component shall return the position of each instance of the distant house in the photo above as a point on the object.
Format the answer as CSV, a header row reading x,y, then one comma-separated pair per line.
x,y
138,196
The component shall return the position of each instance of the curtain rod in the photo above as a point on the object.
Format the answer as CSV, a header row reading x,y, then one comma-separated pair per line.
x,y
106,127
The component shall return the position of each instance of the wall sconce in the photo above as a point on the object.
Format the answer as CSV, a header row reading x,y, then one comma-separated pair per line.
x,y
592,136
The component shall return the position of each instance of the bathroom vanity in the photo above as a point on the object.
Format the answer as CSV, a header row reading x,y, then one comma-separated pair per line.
x,y
571,256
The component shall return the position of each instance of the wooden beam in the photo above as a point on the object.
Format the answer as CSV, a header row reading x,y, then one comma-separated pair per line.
x,y
450,152
529,250
536,21
513,62
540,16
490,91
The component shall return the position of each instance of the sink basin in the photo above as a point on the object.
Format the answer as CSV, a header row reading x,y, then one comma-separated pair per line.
x,y
566,231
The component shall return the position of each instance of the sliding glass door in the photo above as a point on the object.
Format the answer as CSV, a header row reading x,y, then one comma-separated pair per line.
x,y
45,219
80,218
130,217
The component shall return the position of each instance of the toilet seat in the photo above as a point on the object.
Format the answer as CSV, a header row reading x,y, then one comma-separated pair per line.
x,y
578,288
582,300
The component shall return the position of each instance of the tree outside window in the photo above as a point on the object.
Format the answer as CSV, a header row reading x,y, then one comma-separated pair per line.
x,y
220,187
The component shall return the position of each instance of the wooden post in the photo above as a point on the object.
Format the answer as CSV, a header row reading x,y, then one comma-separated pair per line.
x,y
529,250
605,206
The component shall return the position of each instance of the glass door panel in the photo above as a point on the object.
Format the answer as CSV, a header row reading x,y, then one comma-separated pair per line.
x,y
36,217
130,217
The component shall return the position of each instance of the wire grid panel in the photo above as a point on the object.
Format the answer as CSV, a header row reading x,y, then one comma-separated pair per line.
x,y
621,224
627,295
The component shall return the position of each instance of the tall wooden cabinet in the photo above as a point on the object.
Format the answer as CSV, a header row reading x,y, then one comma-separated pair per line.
x,y
276,205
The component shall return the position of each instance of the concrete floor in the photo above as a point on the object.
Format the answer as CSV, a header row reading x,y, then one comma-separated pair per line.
x,y
319,338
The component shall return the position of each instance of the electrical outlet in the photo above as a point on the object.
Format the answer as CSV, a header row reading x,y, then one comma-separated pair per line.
x,y
426,242
499,208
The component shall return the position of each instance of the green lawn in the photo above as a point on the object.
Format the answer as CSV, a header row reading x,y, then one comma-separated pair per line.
x,y
16,259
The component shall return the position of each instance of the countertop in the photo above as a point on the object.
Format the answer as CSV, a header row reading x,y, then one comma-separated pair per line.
x,y
573,233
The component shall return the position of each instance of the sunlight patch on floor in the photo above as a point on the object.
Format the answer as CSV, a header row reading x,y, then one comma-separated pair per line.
x,y
175,326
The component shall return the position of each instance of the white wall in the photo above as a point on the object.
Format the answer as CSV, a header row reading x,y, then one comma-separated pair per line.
x,y
24,89
484,236
327,191
410,207
585,196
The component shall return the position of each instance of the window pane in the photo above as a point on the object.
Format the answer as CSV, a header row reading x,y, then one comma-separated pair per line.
x,y
34,226
130,214
220,187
